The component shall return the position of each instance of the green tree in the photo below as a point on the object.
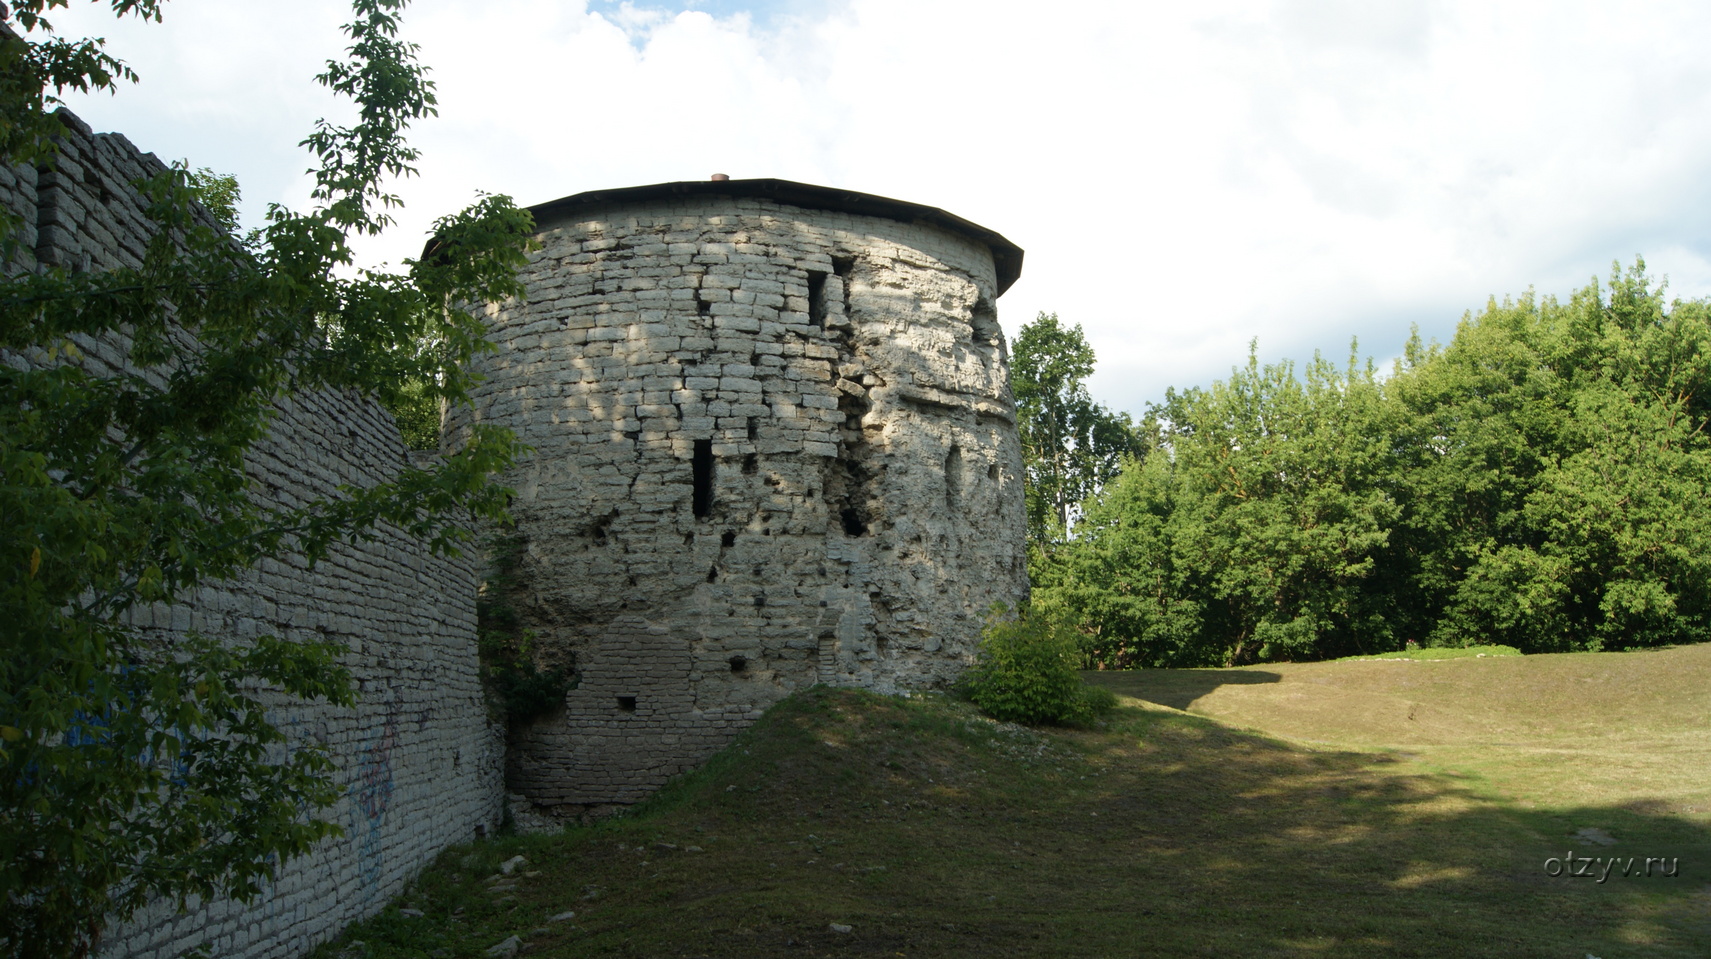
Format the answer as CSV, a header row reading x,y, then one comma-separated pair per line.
x,y
131,770
1249,531
1071,446
1538,484
1557,463
416,407
219,194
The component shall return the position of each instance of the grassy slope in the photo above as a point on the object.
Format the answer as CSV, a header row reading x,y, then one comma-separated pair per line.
x,y
932,832
1582,728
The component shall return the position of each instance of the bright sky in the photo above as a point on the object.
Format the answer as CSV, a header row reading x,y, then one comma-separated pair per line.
x,y
1184,177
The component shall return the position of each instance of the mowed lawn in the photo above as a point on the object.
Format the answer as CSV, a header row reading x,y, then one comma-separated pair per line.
x,y
1626,730
1353,808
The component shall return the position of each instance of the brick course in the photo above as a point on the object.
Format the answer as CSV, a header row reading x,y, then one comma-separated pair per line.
x,y
421,760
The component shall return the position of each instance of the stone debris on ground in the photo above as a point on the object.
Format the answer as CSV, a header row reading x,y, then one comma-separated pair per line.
x,y
1594,835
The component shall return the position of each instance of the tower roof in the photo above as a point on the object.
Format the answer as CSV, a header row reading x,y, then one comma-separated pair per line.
x,y
1006,256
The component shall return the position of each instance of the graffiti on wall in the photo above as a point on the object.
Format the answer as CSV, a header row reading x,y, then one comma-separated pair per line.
x,y
371,797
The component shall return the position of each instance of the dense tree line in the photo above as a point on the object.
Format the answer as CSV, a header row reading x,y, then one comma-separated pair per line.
x,y
1539,483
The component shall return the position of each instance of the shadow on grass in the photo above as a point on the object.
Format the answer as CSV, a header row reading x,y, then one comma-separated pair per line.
x,y
929,832
1179,688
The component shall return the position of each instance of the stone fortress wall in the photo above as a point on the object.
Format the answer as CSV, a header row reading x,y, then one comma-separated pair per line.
x,y
774,446
419,756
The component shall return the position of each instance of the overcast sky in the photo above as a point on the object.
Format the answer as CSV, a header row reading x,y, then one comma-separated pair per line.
x,y
1184,177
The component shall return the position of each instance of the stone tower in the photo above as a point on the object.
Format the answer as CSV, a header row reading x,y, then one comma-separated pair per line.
x,y
774,446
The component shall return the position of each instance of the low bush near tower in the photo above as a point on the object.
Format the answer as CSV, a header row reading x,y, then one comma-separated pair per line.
x,y
1027,673
518,688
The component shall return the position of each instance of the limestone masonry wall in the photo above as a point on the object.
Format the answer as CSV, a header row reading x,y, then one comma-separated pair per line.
x,y
417,753
774,446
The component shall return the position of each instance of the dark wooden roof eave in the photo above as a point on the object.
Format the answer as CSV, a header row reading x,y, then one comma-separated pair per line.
x,y
1006,256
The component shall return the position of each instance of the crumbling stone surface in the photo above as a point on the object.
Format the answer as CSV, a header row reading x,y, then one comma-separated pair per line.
x,y
774,446
420,758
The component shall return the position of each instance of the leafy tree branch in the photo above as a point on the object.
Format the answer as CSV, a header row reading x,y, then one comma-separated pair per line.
x,y
135,764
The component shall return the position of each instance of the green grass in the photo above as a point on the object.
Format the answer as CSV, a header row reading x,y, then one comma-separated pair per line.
x,y
1447,652
1317,810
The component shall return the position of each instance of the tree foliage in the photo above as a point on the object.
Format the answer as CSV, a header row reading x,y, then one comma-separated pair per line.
x,y
133,767
219,194
1026,672
1247,530
1071,446
40,66
1537,483
1559,462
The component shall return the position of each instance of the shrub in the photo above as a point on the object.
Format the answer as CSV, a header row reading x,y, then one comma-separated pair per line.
x,y
517,688
1026,672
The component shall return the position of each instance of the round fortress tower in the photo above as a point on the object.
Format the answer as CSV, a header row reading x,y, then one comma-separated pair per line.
x,y
774,446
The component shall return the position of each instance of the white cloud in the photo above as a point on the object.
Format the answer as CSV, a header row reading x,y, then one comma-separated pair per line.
x,y
1183,177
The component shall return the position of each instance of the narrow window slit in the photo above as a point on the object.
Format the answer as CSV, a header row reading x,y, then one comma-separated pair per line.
x,y
701,466
953,476
627,703
816,299
844,267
